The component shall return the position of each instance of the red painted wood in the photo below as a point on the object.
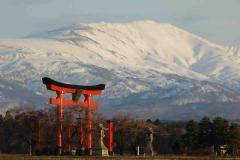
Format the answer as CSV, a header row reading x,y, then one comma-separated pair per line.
x,y
110,137
69,139
70,90
60,116
88,113
65,102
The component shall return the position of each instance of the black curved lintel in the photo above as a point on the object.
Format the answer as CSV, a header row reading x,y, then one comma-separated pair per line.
x,y
49,81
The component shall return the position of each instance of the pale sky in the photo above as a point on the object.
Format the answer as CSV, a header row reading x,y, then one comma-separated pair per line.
x,y
215,20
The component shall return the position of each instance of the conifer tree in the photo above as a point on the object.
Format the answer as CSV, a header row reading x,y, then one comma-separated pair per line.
x,y
234,139
191,136
205,133
220,133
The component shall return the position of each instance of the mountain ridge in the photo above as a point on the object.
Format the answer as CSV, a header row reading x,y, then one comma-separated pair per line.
x,y
137,60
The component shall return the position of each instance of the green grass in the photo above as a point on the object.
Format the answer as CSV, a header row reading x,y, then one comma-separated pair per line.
x,y
26,157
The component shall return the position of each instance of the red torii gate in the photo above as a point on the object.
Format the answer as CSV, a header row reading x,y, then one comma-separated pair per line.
x,y
87,103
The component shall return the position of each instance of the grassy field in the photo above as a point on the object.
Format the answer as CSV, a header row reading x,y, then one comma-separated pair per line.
x,y
25,157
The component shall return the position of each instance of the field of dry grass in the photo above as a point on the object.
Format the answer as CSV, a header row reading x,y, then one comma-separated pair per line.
x,y
26,157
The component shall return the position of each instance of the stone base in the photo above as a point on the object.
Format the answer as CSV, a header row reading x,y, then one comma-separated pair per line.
x,y
100,152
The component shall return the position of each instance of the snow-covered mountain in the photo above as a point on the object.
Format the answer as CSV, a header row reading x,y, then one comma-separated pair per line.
x,y
150,69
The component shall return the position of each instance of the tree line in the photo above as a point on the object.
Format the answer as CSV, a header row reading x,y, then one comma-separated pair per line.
x,y
218,136
18,132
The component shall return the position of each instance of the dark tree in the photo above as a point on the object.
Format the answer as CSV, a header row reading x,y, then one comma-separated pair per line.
x,y
191,136
220,133
205,135
234,139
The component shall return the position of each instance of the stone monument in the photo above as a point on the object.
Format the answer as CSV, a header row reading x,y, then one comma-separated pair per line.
x,y
100,148
149,146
